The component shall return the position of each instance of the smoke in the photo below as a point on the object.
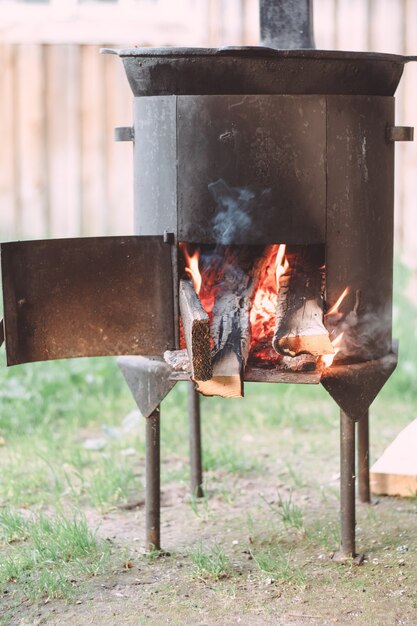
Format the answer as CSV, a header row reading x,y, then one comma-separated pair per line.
x,y
366,334
235,208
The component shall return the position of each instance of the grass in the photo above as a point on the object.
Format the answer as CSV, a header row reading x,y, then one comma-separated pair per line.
x,y
277,565
290,514
46,555
49,410
210,563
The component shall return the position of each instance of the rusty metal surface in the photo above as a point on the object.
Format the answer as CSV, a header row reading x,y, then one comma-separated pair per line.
x,y
287,24
87,297
196,461
347,488
360,212
251,169
148,380
354,387
259,70
400,133
153,481
264,375
363,458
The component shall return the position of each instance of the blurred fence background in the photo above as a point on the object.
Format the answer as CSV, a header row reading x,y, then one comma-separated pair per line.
x,y
61,174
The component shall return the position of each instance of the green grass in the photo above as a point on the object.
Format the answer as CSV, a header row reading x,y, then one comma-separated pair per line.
x,y
47,557
278,566
48,410
210,563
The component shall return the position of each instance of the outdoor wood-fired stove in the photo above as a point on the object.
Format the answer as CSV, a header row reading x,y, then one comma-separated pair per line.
x,y
264,239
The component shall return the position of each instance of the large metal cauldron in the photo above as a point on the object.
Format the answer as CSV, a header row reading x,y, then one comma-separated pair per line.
x,y
259,70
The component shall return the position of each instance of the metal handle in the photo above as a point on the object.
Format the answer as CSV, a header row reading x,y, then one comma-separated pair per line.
x,y
124,133
400,133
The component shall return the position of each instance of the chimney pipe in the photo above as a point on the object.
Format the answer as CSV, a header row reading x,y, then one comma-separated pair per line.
x,y
287,24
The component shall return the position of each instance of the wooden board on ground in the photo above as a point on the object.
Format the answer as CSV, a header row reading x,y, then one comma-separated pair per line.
x,y
395,472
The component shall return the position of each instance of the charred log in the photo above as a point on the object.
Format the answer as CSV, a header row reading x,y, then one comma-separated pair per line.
x,y
196,326
230,327
299,327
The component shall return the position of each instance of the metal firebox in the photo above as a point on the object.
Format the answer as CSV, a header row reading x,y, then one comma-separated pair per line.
x,y
311,134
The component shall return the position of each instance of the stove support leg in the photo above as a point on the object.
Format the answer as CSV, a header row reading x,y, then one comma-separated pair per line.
x,y
153,482
347,488
196,469
363,458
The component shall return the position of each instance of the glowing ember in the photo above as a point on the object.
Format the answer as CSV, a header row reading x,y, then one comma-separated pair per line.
x,y
328,359
192,269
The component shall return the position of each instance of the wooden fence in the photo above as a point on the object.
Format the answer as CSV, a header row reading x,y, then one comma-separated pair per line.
x,y
61,174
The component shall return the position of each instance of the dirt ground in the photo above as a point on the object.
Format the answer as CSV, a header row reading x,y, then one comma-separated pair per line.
x,y
243,514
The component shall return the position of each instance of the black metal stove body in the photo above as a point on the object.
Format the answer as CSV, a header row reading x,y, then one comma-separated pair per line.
x,y
309,135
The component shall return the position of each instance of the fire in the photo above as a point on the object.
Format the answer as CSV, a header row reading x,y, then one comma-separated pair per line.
x,y
335,308
208,275
262,315
328,359
192,269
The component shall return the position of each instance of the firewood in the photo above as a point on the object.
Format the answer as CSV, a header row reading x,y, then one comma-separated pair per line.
x,y
196,331
178,360
230,327
299,327
395,472
227,379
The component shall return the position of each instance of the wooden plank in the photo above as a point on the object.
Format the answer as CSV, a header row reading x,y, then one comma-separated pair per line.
x,y
63,140
406,207
395,472
351,24
119,156
9,219
196,326
93,144
325,20
31,140
385,19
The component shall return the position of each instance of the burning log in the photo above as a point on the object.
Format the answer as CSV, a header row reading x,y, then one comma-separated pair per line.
x,y
196,326
230,329
299,327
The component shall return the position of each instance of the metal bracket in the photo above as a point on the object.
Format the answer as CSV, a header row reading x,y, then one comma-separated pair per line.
x,y
169,237
400,133
124,133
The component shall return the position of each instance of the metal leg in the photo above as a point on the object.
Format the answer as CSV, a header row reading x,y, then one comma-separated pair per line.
x,y
347,488
363,458
196,469
153,482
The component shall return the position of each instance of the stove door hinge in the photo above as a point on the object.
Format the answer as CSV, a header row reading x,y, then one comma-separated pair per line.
x,y
399,133
124,133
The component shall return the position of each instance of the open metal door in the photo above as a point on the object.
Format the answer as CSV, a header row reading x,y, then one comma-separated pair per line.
x,y
87,297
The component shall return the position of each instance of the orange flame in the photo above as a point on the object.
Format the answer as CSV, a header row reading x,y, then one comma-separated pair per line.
x,y
335,308
328,359
262,314
192,268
